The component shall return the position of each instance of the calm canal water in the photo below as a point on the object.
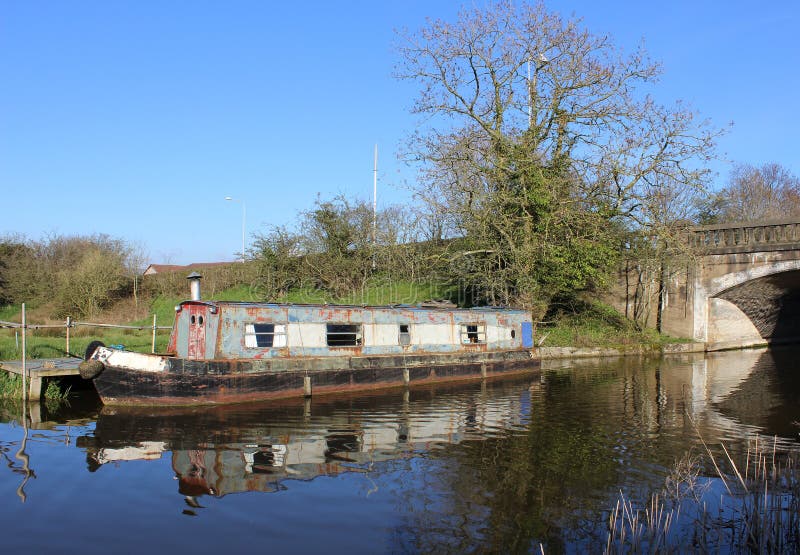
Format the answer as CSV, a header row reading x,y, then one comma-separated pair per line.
x,y
496,467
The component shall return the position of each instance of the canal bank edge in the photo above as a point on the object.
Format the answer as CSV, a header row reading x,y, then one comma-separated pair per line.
x,y
546,353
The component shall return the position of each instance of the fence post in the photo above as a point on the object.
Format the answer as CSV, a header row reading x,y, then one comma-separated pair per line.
x,y
69,323
153,350
24,361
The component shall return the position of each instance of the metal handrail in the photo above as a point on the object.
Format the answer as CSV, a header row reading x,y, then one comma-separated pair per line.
x,y
72,324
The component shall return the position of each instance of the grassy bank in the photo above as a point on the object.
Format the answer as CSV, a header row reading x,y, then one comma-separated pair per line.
x,y
578,324
51,343
594,324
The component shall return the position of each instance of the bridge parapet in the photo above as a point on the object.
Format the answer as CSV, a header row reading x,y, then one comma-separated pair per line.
x,y
773,235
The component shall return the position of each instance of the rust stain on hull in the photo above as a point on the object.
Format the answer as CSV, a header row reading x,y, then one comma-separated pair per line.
x,y
126,387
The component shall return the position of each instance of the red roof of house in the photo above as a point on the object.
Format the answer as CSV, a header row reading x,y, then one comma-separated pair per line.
x,y
167,268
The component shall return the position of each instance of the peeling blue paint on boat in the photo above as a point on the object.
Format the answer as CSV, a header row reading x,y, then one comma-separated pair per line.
x,y
221,351
429,330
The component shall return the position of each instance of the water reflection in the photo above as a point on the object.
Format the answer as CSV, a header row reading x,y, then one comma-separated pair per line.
x,y
500,466
767,397
23,467
222,450
28,415
598,410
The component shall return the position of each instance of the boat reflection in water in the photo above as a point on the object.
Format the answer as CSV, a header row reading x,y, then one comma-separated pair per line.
x,y
239,448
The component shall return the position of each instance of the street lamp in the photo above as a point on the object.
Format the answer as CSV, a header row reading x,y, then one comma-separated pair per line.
x,y
543,61
244,218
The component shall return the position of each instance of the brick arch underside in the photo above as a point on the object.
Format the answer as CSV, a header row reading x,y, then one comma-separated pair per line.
x,y
771,303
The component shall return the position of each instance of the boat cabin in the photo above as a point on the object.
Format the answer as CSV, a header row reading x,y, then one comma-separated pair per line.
x,y
242,330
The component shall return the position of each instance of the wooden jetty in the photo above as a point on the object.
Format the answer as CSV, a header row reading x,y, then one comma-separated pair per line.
x,y
36,370
40,368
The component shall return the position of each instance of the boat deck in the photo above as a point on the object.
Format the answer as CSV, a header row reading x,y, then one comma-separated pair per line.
x,y
40,368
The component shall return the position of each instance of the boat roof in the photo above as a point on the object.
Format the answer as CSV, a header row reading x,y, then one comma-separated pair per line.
x,y
434,306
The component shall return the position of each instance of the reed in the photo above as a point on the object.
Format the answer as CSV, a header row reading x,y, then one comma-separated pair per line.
x,y
758,510
10,386
768,491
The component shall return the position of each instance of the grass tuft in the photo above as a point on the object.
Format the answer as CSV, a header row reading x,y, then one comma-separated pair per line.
x,y
11,388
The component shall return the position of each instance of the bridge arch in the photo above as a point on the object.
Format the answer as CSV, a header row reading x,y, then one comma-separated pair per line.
x,y
703,299
752,306
729,281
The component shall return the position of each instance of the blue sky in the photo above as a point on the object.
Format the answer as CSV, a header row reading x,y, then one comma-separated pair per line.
x,y
136,118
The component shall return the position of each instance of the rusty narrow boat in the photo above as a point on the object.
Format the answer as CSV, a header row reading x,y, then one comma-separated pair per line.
x,y
230,352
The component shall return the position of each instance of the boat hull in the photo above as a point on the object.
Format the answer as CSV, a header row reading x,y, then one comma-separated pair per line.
x,y
136,379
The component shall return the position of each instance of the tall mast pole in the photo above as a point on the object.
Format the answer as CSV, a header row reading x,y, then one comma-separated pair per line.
x,y
530,96
375,206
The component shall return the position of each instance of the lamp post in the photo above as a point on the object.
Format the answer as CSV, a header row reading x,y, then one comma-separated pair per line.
x,y
543,61
244,218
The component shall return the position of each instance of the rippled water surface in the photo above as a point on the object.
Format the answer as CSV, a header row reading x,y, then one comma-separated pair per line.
x,y
502,466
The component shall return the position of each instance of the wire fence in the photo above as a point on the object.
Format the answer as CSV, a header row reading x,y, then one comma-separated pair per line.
x,y
70,324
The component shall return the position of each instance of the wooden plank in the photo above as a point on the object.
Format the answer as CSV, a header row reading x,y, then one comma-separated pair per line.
x,y
43,368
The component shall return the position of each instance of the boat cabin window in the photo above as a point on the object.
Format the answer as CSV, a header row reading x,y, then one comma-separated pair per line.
x,y
343,335
473,333
405,335
264,335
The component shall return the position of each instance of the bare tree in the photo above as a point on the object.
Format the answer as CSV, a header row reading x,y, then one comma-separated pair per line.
x,y
135,262
753,193
78,275
18,270
92,284
539,141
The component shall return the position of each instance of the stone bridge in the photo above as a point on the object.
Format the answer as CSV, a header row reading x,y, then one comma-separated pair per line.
x,y
743,289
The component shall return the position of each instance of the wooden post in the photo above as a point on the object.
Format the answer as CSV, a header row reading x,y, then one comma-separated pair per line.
x,y
307,386
406,376
69,323
24,360
153,350
36,389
